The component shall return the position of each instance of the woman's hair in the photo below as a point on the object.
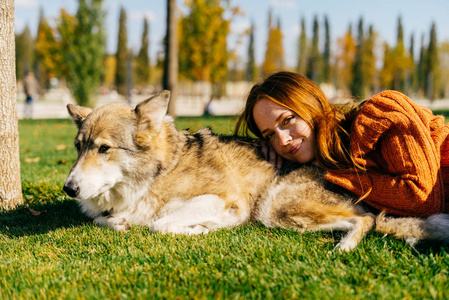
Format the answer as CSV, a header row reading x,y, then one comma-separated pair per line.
x,y
331,124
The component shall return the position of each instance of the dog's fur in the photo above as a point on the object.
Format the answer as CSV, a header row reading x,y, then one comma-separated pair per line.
x,y
134,167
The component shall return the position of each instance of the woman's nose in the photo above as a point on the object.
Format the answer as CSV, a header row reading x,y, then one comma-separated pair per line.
x,y
284,137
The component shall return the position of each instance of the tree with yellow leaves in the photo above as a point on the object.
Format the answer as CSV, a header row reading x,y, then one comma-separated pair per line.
x,y
274,53
345,56
48,52
202,39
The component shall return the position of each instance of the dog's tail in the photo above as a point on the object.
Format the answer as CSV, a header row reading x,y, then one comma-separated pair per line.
x,y
435,227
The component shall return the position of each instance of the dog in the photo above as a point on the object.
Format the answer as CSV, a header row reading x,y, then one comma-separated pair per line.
x,y
135,167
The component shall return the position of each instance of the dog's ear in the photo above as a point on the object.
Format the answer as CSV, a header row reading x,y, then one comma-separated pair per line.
x,y
78,113
150,113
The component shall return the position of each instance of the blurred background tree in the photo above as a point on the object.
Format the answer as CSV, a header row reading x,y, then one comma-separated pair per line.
x,y
24,53
142,61
346,48
251,68
326,73
431,66
313,62
83,47
202,38
302,49
358,79
274,53
109,65
412,75
121,56
49,60
369,66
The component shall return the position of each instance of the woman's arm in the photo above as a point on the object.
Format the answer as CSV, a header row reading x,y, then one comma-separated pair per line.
x,y
398,142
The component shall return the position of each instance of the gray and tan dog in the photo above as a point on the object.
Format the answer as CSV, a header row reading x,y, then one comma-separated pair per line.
x,y
134,167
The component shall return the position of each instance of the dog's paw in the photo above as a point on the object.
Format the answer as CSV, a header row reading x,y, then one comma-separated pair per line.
x,y
122,226
117,224
346,246
197,229
178,229
412,241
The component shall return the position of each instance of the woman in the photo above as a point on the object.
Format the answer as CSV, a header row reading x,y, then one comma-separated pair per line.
x,y
388,151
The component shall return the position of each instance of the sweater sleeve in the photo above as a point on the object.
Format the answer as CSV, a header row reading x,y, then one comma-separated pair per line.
x,y
392,137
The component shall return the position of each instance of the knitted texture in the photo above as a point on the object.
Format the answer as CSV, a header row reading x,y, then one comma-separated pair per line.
x,y
406,151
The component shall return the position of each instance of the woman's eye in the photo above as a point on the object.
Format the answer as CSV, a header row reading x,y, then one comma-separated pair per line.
x,y
268,136
288,119
103,148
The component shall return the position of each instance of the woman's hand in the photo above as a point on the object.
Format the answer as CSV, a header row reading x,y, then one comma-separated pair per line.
x,y
270,154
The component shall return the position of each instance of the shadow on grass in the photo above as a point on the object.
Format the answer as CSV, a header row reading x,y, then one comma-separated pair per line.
x,y
41,218
37,219
430,247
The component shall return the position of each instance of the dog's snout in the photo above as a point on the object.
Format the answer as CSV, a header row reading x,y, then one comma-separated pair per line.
x,y
71,189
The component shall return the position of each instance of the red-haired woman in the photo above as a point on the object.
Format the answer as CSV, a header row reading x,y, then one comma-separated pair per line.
x,y
388,151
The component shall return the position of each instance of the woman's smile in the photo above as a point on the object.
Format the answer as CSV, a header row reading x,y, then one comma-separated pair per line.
x,y
293,150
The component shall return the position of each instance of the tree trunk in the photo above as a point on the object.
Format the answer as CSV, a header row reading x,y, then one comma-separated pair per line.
x,y
171,56
10,186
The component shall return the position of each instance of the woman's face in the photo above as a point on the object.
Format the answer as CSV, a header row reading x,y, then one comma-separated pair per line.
x,y
287,133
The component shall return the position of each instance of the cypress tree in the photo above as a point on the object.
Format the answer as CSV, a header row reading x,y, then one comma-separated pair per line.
x,y
24,53
413,73
358,82
302,49
399,54
39,68
269,64
313,62
122,56
251,71
431,65
369,69
326,52
279,49
421,70
142,69
345,60
386,74
274,54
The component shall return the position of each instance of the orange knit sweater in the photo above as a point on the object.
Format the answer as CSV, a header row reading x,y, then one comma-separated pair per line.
x,y
406,150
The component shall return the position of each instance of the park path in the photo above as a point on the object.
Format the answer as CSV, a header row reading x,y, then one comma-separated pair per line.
x,y
185,106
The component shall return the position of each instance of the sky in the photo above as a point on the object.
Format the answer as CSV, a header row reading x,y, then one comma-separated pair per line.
x,y
417,17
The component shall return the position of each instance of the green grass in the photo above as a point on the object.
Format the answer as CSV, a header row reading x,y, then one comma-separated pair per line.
x,y
61,254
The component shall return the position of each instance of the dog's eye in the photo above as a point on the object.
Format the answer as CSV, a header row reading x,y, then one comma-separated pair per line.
x,y
103,148
78,146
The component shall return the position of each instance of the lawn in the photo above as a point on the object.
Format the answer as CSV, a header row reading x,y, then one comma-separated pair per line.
x,y
49,250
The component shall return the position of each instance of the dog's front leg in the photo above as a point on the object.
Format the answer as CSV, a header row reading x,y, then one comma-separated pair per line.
x,y
200,215
112,222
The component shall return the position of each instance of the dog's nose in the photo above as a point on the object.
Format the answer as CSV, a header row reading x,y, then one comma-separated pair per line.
x,y
71,189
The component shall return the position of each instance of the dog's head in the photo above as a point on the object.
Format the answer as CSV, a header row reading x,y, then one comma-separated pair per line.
x,y
115,143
